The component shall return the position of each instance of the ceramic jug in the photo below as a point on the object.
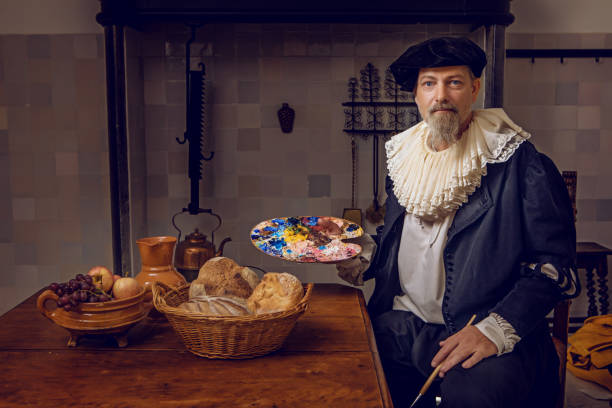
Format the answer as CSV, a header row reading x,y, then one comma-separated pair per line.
x,y
156,258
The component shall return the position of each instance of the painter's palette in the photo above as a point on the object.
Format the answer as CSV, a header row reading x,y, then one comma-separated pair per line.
x,y
307,239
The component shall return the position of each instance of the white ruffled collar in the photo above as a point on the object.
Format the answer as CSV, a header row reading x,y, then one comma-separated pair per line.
x,y
432,185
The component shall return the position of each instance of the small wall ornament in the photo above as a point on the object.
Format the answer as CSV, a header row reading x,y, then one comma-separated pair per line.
x,y
286,115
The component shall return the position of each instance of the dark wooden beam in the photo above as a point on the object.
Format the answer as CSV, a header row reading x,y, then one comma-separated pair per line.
x,y
117,147
495,46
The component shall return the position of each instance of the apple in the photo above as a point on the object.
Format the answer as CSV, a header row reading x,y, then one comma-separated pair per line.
x,y
126,287
115,277
102,277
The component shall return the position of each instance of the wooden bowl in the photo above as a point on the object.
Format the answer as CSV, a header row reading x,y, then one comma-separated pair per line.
x,y
114,317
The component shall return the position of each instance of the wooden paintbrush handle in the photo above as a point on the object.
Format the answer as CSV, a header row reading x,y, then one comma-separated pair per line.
x,y
432,377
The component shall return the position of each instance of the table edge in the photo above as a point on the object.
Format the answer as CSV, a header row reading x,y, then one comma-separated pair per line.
x,y
380,374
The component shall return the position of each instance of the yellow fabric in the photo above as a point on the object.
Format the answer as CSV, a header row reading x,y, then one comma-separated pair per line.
x,y
590,351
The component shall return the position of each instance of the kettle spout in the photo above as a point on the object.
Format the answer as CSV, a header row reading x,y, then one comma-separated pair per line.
x,y
220,251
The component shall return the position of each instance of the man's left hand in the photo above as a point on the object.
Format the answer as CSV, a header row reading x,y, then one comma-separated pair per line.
x,y
468,345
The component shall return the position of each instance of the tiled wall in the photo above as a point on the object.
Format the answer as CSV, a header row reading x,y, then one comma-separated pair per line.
x,y
568,109
54,206
53,148
258,172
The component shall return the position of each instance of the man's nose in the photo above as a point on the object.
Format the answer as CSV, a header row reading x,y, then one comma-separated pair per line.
x,y
441,94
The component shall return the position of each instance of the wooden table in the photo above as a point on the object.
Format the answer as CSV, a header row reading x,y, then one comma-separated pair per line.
x,y
329,360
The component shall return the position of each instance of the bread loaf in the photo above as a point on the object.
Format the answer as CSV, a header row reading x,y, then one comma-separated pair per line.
x,y
216,306
221,276
276,292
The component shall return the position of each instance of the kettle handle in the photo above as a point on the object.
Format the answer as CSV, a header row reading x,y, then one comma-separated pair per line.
x,y
200,210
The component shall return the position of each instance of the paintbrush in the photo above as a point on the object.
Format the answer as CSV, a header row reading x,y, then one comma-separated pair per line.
x,y
434,374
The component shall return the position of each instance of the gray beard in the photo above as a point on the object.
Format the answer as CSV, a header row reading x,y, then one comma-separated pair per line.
x,y
443,128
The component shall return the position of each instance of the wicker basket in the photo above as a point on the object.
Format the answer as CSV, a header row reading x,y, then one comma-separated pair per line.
x,y
234,337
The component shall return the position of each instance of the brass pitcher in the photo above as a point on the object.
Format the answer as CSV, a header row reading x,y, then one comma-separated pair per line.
x,y
195,250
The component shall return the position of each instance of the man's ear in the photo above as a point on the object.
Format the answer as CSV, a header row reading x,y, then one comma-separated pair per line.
x,y
475,89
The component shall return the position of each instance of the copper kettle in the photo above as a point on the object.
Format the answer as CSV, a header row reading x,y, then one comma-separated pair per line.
x,y
195,250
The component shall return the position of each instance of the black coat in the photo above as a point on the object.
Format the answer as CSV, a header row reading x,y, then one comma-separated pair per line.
x,y
521,214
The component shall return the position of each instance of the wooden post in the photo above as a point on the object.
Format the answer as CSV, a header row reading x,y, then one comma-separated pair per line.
x,y
495,45
117,147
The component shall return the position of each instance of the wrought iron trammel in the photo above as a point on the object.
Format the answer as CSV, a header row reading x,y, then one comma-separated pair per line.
x,y
385,117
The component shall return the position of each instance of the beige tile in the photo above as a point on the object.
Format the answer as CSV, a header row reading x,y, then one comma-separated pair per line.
x,y
317,116
47,253
249,186
247,68
295,44
3,118
91,117
319,43
248,116
565,141
225,116
295,162
367,44
319,206
391,44
66,164
343,44
571,41
226,185
154,93
592,40
297,206
39,70
588,117
23,209
295,186
519,40
589,93
271,69
341,186
587,164
319,93
46,209
545,41
178,186
544,140
248,163
22,174
27,275
24,231
272,186
85,46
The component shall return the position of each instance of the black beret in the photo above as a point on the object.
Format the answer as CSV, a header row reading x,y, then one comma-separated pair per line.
x,y
437,52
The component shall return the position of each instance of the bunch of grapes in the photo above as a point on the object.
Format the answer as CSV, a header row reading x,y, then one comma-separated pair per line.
x,y
78,290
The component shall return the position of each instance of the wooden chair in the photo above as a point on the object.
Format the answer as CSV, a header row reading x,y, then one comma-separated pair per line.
x,y
560,319
560,330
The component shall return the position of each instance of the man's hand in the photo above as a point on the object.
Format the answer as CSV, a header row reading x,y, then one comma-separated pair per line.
x,y
468,345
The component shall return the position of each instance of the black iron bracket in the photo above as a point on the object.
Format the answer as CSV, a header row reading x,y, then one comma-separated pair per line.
x,y
561,54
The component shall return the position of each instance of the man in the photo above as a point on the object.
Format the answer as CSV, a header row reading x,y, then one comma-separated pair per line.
x,y
477,223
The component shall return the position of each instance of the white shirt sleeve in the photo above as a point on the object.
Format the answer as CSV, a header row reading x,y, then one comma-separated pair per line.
x,y
500,332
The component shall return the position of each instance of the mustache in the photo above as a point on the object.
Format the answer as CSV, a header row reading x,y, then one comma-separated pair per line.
x,y
443,106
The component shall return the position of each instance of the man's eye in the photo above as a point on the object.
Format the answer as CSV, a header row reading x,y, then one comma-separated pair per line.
x,y
427,83
456,82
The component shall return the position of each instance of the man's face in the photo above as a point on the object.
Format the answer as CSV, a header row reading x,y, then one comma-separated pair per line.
x,y
444,96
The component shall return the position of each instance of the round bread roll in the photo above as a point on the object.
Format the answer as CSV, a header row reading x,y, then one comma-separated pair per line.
x,y
250,276
276,292
222,276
